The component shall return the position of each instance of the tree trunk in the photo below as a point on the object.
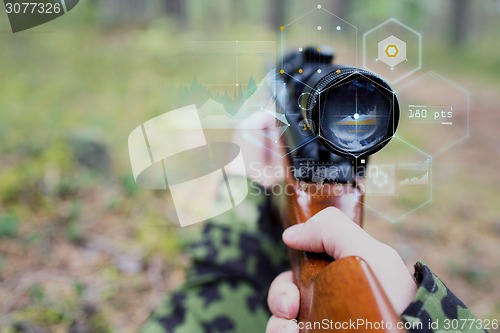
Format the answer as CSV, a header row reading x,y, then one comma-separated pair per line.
x,y
460,22
342,8
277,14
177,9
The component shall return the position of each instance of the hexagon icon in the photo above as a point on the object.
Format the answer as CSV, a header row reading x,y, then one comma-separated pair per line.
x,y
392,51
398,181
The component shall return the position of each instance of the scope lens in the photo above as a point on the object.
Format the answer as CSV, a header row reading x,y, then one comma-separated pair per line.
x,y
354,116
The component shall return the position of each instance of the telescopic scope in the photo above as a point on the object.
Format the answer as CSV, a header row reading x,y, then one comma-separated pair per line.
x,y
350,111
338,115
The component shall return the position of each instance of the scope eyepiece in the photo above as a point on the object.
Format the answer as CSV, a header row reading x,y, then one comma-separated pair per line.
x,y
355,112
350,111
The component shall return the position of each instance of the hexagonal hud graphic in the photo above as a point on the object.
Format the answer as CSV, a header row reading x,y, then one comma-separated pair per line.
x,y
319,28
392,50
434,113
398,181
323,30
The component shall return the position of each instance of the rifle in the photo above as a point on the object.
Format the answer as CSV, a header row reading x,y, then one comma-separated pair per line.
x,y
338,116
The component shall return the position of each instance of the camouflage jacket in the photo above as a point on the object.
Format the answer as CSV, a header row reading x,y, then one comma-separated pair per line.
x,y
234,260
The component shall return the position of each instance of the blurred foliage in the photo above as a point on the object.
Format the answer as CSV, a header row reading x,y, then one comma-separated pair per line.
x,y
8,225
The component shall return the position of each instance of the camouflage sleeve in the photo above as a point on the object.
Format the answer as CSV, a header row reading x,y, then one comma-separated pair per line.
x,y
234,261
436,309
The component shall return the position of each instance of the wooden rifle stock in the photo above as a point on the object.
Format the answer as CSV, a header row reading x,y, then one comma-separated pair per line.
x,y
334,293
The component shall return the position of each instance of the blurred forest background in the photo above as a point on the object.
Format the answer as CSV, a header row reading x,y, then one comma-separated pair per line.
x,y
82,249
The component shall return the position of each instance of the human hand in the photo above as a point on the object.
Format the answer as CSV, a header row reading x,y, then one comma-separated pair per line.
x,y
331,231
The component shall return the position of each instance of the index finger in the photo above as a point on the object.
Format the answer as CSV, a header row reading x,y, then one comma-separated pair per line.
x,y
329,231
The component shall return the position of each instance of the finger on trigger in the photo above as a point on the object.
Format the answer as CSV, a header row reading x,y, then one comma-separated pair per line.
x,y
330,231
